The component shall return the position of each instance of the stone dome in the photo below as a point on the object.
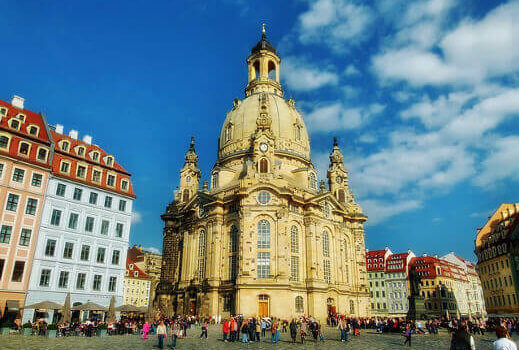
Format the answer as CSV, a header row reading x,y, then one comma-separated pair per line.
x,y
287,126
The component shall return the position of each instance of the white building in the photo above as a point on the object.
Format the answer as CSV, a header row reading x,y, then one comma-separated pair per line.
x,y
397,287
85,227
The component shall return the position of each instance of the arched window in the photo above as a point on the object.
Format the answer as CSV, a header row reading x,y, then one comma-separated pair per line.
x,y
299,304
272,70
64,146
326,209
298,132
228,132
294,240
215,180
263,234
326,244
201,255
263,166
340,196
233,239
312,181
256,66
185,195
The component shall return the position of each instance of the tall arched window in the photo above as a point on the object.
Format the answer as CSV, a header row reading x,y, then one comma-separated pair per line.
x,y
312,181
340,196
201,254
272,70
298,132
185,195
299,304
228,132
215,181
264,166
326,244
263,234
233,252
256,66
294,239
233,239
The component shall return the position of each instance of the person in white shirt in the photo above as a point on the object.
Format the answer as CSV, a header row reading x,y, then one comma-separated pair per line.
x,y
503,342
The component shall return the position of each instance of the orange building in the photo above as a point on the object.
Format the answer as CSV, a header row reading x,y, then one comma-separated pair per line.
x,y
25,161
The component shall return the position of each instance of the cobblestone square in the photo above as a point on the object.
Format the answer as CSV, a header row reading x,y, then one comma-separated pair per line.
x,y
368,340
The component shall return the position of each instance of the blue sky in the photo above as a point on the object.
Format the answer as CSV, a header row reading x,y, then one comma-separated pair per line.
x,y
423,96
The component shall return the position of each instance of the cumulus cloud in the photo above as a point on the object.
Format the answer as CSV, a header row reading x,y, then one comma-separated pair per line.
x,y
301,75
152,250
351,70
380,210
336,23
502,163
336,116
136,217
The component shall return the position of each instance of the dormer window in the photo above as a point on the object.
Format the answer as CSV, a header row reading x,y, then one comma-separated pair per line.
x,y
14,124
3,111
109,161
24,148
110,181
42,154
33,130
81,171
81,151
95,156
64,167
21,117
96,176
124,185
65,146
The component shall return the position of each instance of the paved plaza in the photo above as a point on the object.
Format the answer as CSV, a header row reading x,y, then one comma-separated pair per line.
x,y
368,340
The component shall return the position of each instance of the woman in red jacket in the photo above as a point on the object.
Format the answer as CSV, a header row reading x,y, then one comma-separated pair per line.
x,y
225,330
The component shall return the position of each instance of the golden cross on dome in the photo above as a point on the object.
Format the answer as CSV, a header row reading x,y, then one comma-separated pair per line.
x,y
263,28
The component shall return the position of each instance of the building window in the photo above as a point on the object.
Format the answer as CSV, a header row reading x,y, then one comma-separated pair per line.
x,y
233,267
14,124
56,217
18,269
42,154
326,244
36,180
104,227
4,141
109,161
122,205
108,202
95,156
263,166
45,277
5,234
233,239
33,130
263,265
2,263
1,170
25,237
112,284
110,181
64,146
89,224
294,268
93,198
73,220
60,190
115,257
68,250
50,247
215,180
327,271
31,206
326,209
18,175
97,283
201,254
119,230
299,304
81,151
80,281
263,234
101,255
12,202
78,192
185,195
85,252
24,148
65,167
264,197
63,279
81,171
96,176
124,185
294,240
312,181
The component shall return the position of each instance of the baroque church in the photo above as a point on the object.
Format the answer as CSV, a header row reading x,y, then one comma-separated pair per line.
x,y
265,239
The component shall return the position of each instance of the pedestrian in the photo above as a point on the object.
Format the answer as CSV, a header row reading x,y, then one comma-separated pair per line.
x,y
258,330
273,330
204,329
461,338
343,326
503,342
173,332
245,332
263,327
233,325
293,330
145,330
225,330
161,333
407,335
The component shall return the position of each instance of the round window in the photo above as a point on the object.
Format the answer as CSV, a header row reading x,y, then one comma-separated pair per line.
x,y
264,197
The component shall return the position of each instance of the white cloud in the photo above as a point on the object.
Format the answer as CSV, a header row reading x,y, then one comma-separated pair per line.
x,y
351,70
337,116
300,75
136,217
336,23
152,250
379,210
501,163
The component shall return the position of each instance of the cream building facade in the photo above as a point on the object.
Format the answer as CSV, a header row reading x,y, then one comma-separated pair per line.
x,y
265,238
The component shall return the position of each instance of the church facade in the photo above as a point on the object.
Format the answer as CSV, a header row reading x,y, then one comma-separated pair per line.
x,y
265,239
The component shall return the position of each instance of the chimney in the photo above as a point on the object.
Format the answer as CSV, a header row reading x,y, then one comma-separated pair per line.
x,y
73,134
87,139
17,101
58,129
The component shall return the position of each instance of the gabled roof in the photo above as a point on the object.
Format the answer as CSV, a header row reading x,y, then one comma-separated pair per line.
x,y
30,118
134,271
